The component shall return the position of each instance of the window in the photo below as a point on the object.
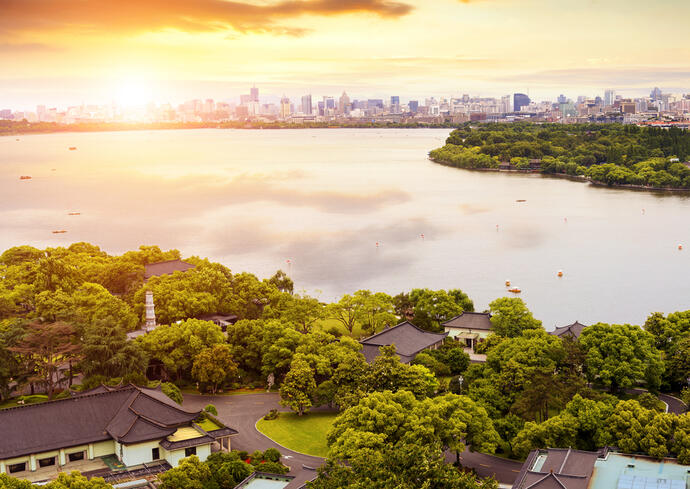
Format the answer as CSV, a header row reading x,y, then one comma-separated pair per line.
x,y
155,453
73,457
46,462
14,468
188,452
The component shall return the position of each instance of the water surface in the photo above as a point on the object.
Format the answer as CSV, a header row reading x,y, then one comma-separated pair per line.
x,y
316,203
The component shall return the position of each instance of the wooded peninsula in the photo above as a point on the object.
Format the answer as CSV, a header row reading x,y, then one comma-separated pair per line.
x,y
610,154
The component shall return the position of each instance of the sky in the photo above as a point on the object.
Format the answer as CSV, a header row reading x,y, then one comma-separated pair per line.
x,y
66,52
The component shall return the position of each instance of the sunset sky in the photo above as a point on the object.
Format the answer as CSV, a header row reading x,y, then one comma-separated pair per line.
x,y
63,52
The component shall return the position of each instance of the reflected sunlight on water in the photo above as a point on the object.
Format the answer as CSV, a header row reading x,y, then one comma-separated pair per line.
x,y
324,198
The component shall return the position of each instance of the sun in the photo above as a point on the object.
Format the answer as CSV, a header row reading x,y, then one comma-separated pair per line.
x,y
133,92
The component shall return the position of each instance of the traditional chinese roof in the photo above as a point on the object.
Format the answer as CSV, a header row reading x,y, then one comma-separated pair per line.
x,y
407,338
470,320
127,414
165,268
574,330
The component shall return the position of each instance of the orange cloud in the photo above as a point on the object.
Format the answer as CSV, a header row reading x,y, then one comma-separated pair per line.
x,y
132,16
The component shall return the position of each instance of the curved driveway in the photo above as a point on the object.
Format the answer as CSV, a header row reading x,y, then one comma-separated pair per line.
x,y
241,412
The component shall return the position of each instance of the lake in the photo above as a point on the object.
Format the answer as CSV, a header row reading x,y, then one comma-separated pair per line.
x,y
348,209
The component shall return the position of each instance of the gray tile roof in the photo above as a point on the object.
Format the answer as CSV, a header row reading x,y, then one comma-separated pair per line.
x,y
407,338
564,468
470,320
128,414
574,330
165,268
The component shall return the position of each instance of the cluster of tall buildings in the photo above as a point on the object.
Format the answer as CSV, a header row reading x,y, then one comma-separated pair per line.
x,y
308,108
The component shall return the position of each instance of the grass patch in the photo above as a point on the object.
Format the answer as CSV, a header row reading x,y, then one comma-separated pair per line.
x,y
208,425
304,434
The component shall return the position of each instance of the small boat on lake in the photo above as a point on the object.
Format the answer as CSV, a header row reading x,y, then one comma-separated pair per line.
x,y
515,290
61,231
521,200
74,213
507,283
560,273
25,177
72,148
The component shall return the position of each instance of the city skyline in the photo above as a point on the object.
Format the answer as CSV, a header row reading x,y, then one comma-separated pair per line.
x,y
67,53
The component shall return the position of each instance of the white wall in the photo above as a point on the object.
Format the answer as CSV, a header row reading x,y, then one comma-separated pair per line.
x,y
174,456
104,448
139,453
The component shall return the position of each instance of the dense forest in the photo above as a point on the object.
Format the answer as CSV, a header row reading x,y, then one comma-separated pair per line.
x,y
613,154
396,421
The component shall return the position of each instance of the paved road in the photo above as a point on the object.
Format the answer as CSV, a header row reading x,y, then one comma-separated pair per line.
x,y
675,405
241,412
503,470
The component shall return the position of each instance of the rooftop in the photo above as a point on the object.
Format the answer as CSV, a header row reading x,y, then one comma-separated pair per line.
x,y
165,268
407,338
574,330
127,414
470,320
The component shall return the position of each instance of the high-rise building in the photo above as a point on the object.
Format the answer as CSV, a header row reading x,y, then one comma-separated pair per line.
x,y
656,94
609,97
254,94
306,105
562,99
395,104
284,107
413,105
520,100
344,104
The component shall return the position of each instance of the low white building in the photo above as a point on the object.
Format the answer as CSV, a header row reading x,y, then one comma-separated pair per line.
x,y
102,430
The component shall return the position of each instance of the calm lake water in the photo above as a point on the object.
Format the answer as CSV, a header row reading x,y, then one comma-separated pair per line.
x,y
316,202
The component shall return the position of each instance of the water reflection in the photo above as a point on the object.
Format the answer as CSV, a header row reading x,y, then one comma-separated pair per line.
x,y
323,199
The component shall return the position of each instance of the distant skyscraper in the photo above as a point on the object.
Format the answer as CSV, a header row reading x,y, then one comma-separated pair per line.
x,y
306,105
254,94
562,99
284,107
609,97
520,100
656,94
395,104
344,104
414,106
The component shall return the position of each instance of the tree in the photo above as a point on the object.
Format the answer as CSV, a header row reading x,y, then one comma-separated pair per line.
x,y
7,482
191,473
510,317
620,355
75,480
302,311
282,282
389,373
176,345
11,332
172,391
299,386
46,347
213,366
106,351
432,307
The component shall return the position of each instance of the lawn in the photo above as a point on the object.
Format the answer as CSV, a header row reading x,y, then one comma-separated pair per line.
x,y
304,434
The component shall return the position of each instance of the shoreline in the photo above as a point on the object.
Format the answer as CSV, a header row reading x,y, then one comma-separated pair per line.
x,y
54,128
574,178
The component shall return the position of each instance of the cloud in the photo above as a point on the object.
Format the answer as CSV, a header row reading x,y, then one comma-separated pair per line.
x,y
26,48
134,16
600,76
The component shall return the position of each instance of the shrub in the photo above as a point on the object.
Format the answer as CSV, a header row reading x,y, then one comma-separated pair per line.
x,y
211,409
172,391
272,414
256,457
273,468
272,455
